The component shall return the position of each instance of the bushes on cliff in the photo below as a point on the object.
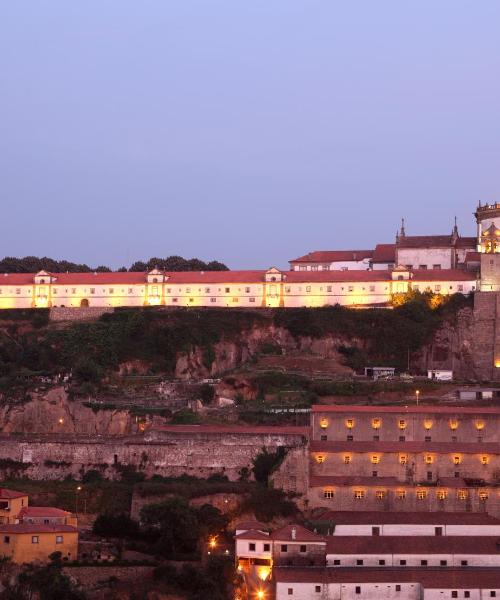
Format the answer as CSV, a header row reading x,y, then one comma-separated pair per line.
x,y
266,462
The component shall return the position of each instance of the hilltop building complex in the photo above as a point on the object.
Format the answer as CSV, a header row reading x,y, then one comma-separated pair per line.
x,y
442,264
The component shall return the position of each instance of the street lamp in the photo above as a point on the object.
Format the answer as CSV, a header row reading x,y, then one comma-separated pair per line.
x,y
260,594
78,489
417,394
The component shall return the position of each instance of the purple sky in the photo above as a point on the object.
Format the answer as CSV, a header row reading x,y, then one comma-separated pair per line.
x,y
245,131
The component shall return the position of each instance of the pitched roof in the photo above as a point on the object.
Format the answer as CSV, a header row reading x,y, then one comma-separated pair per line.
x,y
42,511
353,480
430,578
235,429
403,410
253,534
408,518
473,256
36,528
425,241
384,253
442,275
409,447
296,533
6,494
328,256
420,544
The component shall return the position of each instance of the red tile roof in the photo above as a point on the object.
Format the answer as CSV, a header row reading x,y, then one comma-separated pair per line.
x,y
234,429
42,511
403,410
420,544
286,534
473,257
466,242
234,277
253,534
36,528
430,578
442,275
6,494
384,253
344,517
411,447
353,480
328,256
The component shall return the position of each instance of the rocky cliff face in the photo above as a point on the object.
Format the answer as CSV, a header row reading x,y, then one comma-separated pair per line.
x,y
451,348
53,412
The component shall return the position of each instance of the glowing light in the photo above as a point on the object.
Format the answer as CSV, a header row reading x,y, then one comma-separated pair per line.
x,y
260,594
320,458
212,542
428,459
349,423
375,459
402,424
497,363
428,424
453,424
483,496
403,459
376,423
456,460
485,459
323,423
61,421
263,573
479,425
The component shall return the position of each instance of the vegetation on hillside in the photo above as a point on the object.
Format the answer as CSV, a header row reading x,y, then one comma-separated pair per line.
x,y
156,336
33,264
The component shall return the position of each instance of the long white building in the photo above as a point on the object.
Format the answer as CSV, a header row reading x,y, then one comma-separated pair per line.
x,y
232,289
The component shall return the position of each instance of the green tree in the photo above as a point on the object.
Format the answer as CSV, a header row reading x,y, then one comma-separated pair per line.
x,y
176,524
266,462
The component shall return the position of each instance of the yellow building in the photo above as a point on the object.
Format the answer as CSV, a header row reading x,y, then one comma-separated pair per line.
x,y
30,542
11,504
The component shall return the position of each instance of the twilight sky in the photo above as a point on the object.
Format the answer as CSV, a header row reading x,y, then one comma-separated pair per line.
x,y
249,132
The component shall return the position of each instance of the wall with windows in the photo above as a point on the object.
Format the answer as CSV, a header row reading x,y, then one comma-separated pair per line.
x,y
38,545
425,258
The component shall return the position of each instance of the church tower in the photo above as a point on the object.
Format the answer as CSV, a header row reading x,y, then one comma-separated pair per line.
x,y
488,244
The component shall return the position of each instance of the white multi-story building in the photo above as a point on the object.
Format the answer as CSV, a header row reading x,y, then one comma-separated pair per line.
x,y
271,288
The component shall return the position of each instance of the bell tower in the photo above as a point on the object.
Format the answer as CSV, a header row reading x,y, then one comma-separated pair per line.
x,y
488,244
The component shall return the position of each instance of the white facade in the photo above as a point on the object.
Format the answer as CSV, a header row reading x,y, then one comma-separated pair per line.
x,y
408,559
426,258
228,289
440,375
348,591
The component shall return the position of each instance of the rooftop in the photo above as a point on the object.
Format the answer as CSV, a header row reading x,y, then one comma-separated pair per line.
x,y
420,544
412,409
257,525
429,577
234,429
408,518
384,253
412,447
327,256
42,511
253,534
6,494
296,533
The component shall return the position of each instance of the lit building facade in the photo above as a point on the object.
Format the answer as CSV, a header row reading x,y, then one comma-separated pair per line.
x,y
228,289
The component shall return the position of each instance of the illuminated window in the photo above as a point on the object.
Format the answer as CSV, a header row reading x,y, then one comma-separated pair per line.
x,y
380,494
375,459
376,423
403,459
329,494
401,494
323,423
402,424
347,459
428,424
462,494
479,425
421,494
483,496
359,494
456,460
349,423
320,458
428,459
485,459
453,424
442,495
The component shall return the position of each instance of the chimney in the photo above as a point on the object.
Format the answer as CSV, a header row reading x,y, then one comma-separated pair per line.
x,y
294,533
